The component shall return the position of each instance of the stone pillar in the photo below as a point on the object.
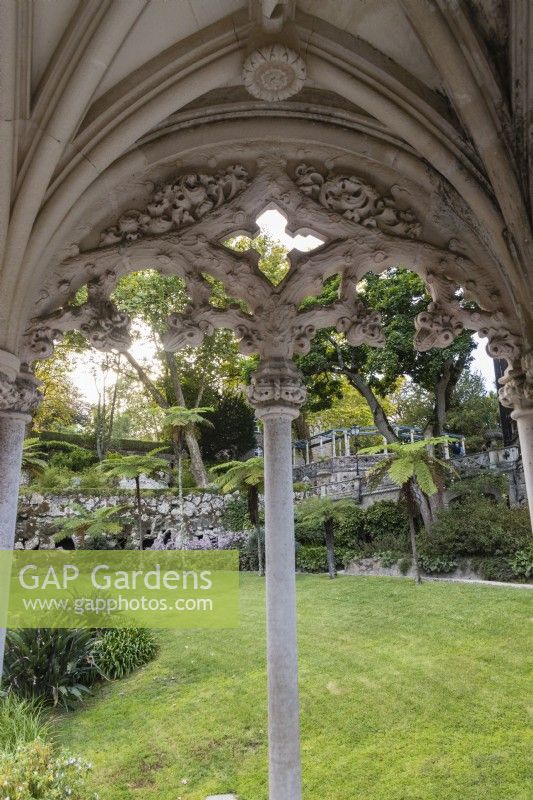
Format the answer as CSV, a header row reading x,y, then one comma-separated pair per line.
x,y
19,397
524,423
12,429
277,394
517,393
346,444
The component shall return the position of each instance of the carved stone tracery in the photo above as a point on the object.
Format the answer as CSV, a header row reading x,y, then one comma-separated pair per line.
x,y
104,325
357,201
178,204
363,228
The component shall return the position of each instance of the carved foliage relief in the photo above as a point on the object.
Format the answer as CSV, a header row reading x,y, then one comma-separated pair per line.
x,y
178,204
267,319
357,201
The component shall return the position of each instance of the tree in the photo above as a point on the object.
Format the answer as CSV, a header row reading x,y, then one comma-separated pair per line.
x,y
412,467
399,296
33,459
132,467
62,405
247,477
87,524
232,434
177,379
180,419
327,513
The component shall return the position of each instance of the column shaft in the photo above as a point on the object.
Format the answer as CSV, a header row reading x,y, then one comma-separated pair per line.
x,y
282,654
524,422
12,429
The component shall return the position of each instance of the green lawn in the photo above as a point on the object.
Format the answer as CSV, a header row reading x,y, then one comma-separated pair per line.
x,y
407,693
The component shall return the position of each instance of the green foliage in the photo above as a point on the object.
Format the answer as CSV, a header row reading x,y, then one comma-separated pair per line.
x,y
472,410
53,478
318,511
54,665
232,430
311,558
404,564
89,524
94,478
120,651
75,459
33,457
21,721
477,527
237,476
410,462
386,526
235,515
486,484
437,564
34,772
522,563
493,568
181,417
133,466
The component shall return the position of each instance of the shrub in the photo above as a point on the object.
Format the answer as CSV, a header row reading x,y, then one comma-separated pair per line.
x,y
75,458
521,563
120,651
437,564
493,569
386,527
235,516
54,478
387,557
21,721
344,555
51,664
350,532
93,478
311,558
477,527
404,564
308,532
34,772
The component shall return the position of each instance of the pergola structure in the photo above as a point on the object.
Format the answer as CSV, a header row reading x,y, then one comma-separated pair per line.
x,y
143,133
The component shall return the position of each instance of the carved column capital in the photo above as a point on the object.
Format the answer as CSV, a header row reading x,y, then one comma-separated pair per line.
x,y
517,385
277,387
19,395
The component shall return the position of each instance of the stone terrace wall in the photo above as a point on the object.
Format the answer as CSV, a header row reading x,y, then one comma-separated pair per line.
x,y
38,514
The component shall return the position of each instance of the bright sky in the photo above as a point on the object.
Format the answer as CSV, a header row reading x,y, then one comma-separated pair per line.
x,y
89,381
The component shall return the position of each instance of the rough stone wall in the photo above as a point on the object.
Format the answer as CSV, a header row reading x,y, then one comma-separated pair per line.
x,y
38,514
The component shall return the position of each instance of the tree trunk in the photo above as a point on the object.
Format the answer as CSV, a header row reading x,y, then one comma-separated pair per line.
x,y
329,536
180,497
197,465
253,513
411,507
380,418
139,510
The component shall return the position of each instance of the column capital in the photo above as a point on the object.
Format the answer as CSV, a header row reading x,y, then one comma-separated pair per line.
x,y
19,395
517,386
277,388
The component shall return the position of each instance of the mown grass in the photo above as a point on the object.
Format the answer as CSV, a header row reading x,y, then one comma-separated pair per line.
x,y
407,693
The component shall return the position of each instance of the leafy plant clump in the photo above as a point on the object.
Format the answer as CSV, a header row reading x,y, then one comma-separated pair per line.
x,y
21,722
522,563
120,651
54,665
437,564
34,772
478,527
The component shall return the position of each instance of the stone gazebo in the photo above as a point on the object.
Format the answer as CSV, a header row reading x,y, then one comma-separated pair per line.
x,y
127,155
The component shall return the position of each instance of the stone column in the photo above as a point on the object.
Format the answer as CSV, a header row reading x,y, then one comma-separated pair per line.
x,y
19,396
524,423
517,393
277,393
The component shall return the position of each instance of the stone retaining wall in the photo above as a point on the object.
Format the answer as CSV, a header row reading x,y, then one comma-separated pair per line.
x,y
38,515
